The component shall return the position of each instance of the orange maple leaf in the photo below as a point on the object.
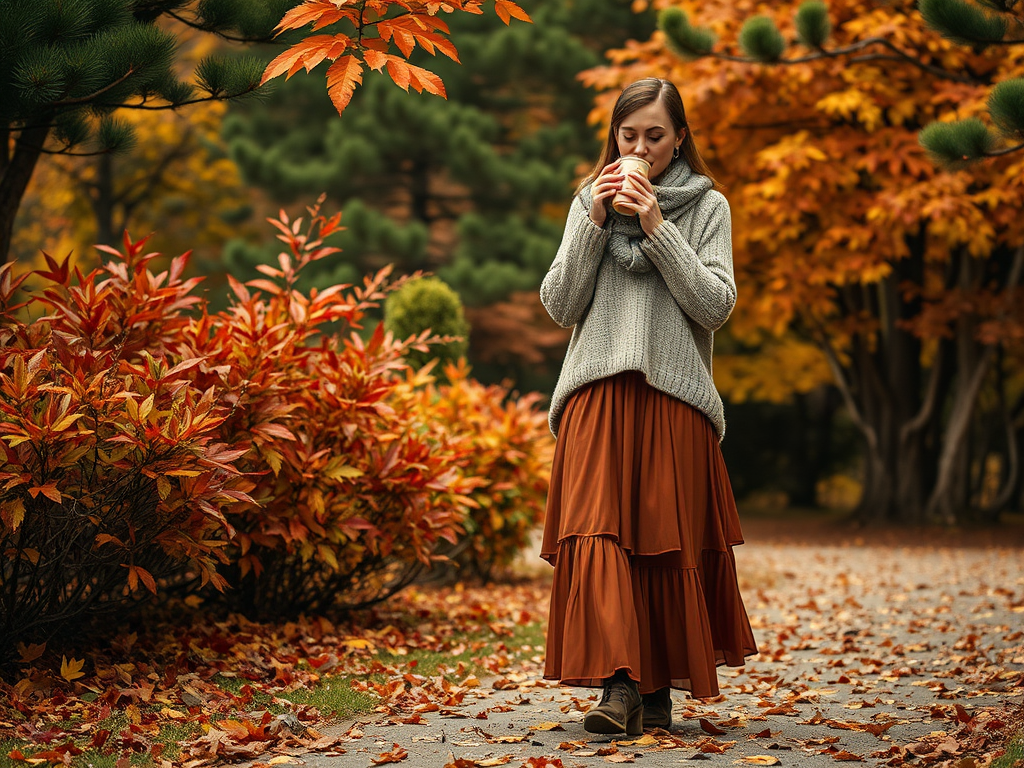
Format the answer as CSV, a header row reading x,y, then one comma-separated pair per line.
x,y
307,54
405,74
506,9
319,12
342,78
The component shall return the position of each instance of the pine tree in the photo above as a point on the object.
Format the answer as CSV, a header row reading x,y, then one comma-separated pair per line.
x,y
67,65
473,187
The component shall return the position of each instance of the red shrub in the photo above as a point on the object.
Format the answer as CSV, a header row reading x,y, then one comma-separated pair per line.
x,y
146,441
354,494
113,472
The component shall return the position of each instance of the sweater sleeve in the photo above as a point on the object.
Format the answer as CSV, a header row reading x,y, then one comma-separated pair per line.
x,y
568,287
700,279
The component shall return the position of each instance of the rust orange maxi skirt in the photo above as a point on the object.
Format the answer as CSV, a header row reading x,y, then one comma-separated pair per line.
x,y
640,527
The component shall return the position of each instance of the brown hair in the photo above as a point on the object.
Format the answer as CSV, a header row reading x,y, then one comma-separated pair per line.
x,y
640,94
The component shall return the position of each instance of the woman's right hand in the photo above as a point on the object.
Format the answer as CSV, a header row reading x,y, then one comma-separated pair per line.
x,y
602,191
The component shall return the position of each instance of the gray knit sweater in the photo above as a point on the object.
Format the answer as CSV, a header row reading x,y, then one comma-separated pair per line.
x,y
629,316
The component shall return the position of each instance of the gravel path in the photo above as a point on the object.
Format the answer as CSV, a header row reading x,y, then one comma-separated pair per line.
x,y
876,653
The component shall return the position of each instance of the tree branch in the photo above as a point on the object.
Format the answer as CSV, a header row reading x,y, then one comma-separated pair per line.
x,y
213,31
898,55
927,410
1005,151
939,502
842,384
211,97
95,94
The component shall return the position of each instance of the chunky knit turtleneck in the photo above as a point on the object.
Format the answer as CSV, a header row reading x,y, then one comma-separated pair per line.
x,y
645,303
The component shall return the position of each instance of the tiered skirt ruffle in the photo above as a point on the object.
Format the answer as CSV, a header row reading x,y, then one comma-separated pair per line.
x,y
640,527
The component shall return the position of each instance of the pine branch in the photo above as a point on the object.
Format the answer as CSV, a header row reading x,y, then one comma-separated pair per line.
x,y
195,24
95,94
156,107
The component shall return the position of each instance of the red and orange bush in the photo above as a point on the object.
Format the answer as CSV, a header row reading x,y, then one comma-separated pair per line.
x,y
114,474
504,448
146,442
354,495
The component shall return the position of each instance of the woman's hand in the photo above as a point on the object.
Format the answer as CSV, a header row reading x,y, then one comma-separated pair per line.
x,y
602,191
643,201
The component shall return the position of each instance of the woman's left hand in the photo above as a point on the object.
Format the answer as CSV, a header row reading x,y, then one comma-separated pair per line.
x,y
643,201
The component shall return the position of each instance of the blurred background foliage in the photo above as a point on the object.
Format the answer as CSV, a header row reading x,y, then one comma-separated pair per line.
x,y
474,190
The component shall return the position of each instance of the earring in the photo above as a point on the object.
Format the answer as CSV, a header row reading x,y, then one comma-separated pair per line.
x,y
675,152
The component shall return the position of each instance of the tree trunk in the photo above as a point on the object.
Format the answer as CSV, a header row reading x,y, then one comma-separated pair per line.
x,y
892,399
17,173
951,494
101,197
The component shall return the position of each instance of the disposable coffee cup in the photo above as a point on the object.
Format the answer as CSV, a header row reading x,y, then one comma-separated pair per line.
x,y
628,164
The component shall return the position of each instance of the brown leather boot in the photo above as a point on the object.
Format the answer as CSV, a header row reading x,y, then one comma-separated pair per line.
x,y
620,709
658,709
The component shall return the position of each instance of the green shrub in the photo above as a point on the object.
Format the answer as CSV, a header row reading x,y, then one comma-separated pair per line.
x,y
428,303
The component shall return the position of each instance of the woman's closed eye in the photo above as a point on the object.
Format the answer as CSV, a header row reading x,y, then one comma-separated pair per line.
x,y
632,137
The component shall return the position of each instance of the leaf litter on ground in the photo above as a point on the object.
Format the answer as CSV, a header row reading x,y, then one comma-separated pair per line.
x,y
840,629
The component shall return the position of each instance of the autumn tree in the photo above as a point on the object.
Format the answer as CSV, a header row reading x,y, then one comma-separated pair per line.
x,y
991,23
905,276
473,187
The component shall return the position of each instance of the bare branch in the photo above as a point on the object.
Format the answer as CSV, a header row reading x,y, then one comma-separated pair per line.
x,y
927,409
898,55
155,107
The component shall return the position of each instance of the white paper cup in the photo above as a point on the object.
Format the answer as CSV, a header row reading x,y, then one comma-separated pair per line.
x,y
627,164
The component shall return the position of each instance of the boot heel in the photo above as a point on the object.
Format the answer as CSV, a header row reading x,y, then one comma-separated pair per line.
x,y
635,723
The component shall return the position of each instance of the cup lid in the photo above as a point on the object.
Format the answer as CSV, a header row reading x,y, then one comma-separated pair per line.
x,y
637,159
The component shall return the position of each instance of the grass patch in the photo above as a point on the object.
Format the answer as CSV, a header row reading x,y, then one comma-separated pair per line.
x,y
1014,755
171,733
335,697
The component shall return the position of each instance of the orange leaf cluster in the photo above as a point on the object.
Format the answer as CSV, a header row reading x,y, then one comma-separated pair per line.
x,y
113,467
370,29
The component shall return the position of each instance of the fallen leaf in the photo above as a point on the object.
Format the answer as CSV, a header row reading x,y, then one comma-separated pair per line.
x,y
543,762
569,746
30,652
758,760
396,754
646,740
547,726
709,727
503,760
71,670
844,756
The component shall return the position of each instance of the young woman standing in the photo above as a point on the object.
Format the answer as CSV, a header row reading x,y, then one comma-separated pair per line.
x,y
641,518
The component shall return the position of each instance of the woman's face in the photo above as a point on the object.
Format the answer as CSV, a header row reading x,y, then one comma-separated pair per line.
x,y
647,132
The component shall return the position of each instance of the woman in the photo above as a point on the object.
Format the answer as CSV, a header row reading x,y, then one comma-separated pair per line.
x,y
641,519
